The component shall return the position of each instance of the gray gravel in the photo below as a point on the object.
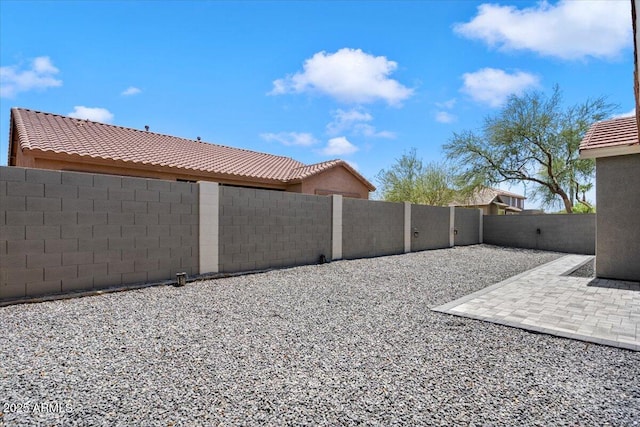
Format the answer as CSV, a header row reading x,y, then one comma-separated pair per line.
x,y
351,342
587,270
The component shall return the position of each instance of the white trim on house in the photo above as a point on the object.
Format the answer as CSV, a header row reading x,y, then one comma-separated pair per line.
x,y
620,150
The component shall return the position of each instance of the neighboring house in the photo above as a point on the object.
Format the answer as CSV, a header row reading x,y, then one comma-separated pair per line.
x,y
493,201
615,146
50,141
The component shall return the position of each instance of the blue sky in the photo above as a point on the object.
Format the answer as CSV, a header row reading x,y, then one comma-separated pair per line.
x,y
361,81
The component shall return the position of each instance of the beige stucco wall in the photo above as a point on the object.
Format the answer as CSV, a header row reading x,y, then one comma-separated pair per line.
x,y
336,181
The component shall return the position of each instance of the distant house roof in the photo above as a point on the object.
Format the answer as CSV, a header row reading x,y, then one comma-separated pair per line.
x,y
486,196
612,137
54,133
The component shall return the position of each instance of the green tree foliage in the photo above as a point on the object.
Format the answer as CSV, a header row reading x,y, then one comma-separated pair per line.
x,y
409,180
533,139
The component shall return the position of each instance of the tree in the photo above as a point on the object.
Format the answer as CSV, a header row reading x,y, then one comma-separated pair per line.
x,y
409,180
533,139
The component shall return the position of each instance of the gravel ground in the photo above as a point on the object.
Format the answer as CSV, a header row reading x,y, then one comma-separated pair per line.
x,y
586,270
351,342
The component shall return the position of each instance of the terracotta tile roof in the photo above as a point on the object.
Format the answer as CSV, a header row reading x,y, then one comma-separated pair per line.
x,y
54,133
622,131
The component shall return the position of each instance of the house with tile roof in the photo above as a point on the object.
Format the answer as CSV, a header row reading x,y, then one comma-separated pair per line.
x,y
51,141
615,146
493,201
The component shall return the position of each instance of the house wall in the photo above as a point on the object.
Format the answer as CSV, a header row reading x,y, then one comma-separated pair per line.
x,y
65,231
335,181
561,233
261,229
618,222
466,226
372,228
432,226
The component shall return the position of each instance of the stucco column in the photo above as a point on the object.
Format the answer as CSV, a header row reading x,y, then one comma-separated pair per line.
x,y
480,231
336,227
208,220
407,227
452,226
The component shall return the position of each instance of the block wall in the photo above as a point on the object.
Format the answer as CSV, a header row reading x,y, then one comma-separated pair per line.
x,y
431,223
262,229
561,233
466,227
372,228
66,231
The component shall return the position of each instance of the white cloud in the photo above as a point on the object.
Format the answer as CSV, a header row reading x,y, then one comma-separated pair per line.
x,y
355,122
566,30
348,75
290,138
493,86
339,146
40,75
94,114
448,104
346,120
370,131
445,117
627,114
131,90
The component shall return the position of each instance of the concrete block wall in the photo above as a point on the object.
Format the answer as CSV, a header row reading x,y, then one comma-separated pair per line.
x,y
262,229
466,227
561,233
66,231
429,227
372,228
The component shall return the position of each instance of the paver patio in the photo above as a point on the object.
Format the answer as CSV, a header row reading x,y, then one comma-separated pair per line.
x,y
546,300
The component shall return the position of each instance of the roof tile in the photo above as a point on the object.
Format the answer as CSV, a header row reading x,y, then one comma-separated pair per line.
x,y
60,134
611,133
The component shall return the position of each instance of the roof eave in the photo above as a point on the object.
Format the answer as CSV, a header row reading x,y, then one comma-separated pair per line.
x,y
611,151
61,156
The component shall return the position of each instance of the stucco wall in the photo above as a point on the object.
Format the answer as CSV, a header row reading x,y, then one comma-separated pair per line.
x,y
372,228
432,226
336,181
618,222
562,233
65,231
261,229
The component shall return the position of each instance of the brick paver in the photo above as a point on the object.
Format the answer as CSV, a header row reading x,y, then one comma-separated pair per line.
x,y
545,300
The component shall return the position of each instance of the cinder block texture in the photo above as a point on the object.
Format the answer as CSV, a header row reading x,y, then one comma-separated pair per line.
x,y
371,228
466,227
429,227
618,219
64,231
561,233
262,229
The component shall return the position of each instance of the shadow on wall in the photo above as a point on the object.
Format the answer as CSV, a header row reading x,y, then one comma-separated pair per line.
x,y
551,232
